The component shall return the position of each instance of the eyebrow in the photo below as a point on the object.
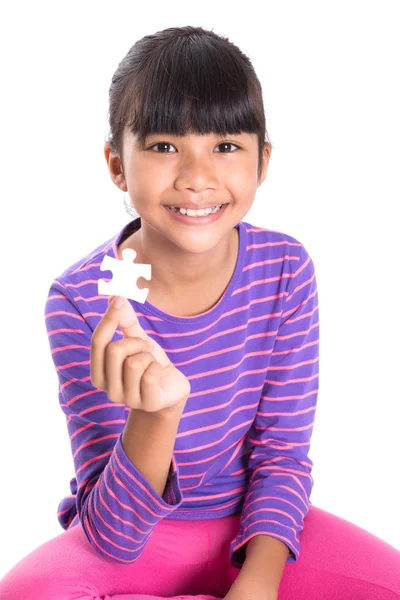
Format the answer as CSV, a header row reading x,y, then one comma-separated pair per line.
x,y
173,135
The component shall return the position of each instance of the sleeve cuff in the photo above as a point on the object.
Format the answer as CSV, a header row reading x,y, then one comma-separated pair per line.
x,y
138,484
237,549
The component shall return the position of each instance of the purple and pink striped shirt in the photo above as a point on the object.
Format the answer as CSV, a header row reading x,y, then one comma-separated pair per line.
x,y
244,436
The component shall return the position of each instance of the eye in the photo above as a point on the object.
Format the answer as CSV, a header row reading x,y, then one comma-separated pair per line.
x,y
227,144
169,144
161,144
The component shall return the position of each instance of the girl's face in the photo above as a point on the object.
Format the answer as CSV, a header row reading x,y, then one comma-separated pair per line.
x,y
196,171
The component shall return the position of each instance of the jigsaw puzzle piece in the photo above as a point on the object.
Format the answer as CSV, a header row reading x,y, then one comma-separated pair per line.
x,y
125,275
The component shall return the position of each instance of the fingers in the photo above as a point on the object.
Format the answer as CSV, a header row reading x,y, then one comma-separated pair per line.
x,y
137,383
107,357
106,363
103,335
150,390
130,326
142,375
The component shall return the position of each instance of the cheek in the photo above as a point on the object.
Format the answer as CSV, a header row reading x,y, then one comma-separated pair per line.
x,y
146,191
242,186
144,183
153,176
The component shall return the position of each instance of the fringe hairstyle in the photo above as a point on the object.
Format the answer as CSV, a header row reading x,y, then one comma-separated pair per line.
x,y
186,79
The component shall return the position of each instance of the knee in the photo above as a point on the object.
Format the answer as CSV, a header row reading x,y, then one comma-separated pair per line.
x,y
56,570
30,580
19,585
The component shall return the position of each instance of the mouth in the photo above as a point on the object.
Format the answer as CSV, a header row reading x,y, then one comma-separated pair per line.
x,y
193,219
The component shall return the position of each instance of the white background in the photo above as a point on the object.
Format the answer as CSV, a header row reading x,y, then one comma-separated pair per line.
x,y
330,75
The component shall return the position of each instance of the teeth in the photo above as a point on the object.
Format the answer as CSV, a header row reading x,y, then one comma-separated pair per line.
x,y
196,213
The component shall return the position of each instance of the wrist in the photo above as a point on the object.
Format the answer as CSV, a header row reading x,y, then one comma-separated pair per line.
x,y
169,413
264,564
246,586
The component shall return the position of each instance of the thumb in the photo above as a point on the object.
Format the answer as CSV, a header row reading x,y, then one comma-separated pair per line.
x,y
127,318
130,327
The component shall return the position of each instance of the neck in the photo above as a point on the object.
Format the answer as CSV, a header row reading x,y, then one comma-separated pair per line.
x,y
175,270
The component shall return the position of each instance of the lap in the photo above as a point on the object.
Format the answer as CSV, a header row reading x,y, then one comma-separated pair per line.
x,y
68,567
338,560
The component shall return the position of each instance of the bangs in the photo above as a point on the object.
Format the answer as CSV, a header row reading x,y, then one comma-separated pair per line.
x,y
192,86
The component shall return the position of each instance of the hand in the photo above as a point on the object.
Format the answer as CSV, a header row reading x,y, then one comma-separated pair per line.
x,y
243,589
134,371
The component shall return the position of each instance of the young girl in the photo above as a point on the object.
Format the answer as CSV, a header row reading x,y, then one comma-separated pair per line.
x,y
190,416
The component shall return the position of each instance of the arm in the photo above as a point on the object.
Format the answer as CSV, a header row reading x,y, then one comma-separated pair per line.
x,y
117,505
148,441
262,570
277,498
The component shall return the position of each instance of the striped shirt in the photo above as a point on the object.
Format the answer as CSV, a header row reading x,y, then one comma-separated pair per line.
x,y
244,435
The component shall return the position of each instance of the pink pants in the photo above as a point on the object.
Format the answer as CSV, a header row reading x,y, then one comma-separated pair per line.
x,y
338,560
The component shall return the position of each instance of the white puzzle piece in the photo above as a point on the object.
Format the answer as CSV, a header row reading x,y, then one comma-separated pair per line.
x,y
125,275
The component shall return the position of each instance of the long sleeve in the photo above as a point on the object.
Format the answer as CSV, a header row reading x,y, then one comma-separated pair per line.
x,y
277,499
117,507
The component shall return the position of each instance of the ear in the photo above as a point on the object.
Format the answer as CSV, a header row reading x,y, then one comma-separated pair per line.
x,y
115,167
265,162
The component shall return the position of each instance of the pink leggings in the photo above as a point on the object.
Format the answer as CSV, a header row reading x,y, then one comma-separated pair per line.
x,y
338,560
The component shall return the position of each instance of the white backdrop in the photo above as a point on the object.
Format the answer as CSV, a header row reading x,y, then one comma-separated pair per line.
x,y
329,73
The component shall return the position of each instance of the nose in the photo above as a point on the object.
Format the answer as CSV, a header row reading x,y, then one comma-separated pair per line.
x,y
197,173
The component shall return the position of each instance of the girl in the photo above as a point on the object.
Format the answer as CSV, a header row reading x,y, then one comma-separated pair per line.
x,y
190,416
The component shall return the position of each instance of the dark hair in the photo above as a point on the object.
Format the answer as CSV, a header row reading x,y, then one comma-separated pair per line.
x,y
186,79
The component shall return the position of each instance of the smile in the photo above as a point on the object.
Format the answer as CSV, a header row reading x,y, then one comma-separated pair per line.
x,y
210,215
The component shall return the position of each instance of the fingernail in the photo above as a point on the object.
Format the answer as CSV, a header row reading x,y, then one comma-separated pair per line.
x,y
117,302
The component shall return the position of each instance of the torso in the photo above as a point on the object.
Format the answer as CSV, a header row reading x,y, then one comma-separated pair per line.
x,y
196,300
